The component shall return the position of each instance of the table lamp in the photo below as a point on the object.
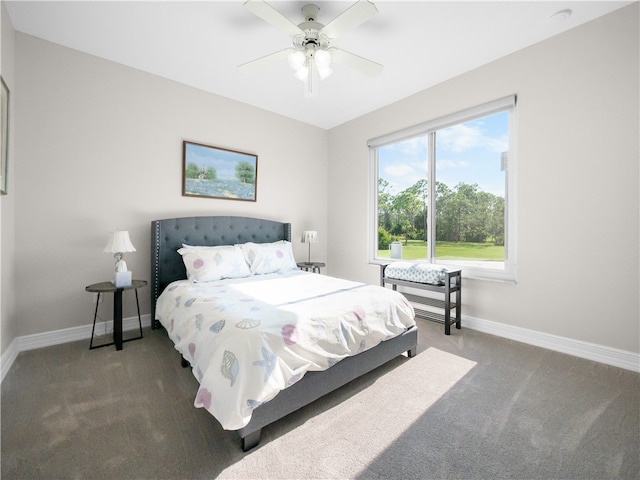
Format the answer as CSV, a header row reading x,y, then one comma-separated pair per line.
x,y
309,236
118,244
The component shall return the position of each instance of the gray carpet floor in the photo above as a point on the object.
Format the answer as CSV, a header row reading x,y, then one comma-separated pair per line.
x,y
468,406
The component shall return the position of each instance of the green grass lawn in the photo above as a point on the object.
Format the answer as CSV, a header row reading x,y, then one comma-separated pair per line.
x,y
417,250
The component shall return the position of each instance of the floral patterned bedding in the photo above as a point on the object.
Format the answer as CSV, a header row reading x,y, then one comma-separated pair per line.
x,y
249,338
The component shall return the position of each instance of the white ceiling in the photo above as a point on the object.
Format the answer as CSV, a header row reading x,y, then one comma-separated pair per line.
x,y
201,43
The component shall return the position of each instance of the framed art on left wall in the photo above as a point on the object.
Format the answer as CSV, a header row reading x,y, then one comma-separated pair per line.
x,y
4,134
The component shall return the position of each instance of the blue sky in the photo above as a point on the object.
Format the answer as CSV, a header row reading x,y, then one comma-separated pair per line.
x,y
222,160
469,152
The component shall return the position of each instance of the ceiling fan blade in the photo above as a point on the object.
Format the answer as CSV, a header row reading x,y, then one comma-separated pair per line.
x,y
355,15
266,12
264,61
368,67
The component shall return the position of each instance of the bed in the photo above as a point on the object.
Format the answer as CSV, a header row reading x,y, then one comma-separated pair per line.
x,y
290,385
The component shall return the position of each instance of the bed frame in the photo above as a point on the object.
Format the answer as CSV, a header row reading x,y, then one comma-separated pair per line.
x,y
168,235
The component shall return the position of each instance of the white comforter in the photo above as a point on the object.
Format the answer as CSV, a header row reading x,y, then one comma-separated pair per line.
x,y
247,339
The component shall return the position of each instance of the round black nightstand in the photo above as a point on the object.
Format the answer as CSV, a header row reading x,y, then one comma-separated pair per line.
x,y
313,266
109,287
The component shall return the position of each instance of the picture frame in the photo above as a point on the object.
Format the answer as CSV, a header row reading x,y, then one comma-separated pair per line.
x,y
4,135
215,172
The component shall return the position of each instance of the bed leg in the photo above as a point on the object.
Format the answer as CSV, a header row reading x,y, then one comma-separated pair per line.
x,y
413,352
252,440
184,363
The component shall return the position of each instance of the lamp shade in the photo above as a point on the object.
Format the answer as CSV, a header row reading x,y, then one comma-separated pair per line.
x,y
119,242
309,236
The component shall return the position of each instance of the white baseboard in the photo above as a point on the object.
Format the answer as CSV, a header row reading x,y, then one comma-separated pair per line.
x,y
56,337
577,348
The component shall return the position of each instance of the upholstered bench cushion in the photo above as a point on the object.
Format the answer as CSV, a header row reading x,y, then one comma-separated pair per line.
x,y
416,272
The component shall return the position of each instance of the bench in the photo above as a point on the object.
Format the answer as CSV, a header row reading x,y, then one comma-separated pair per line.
x,y
431,278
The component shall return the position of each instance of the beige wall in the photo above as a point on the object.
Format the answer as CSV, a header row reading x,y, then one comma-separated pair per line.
x,y
99,147
7,202
577,188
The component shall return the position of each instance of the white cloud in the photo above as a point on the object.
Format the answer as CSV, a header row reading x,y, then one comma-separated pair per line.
x,y
466,136
414,146
402,176
448,164
398,170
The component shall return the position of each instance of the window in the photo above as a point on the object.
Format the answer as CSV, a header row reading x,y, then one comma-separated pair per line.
x,y
443,192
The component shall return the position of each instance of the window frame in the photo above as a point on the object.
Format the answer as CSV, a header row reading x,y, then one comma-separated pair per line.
x,y
509,273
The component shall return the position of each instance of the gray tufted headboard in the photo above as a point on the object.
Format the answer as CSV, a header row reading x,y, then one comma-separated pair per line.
x,y
168,235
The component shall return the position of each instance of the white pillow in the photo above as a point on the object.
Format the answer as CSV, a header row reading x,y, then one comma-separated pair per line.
x,y
209,264
266,258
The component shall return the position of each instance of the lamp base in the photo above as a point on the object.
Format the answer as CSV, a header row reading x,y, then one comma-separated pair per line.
x,y
122,279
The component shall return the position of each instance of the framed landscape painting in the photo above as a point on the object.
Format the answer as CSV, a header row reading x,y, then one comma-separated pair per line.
x,y
215,172
4,134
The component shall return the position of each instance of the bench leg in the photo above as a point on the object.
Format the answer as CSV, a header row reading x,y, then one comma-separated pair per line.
x,y
459,309
447,307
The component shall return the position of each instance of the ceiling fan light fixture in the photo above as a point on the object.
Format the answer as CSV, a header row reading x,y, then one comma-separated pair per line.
x,y
324,72
296,60
323,58
302,73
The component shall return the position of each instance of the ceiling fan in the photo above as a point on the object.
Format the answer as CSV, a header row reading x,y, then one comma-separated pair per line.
x,y
312,53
